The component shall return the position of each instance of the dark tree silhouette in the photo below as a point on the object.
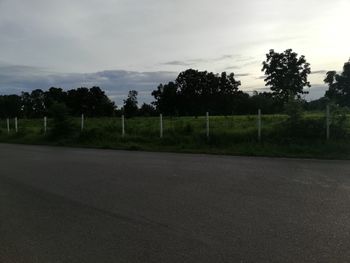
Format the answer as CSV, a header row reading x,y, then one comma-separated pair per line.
x,y
195,92
37,102
27,106
91,102
265,102
10,106
286,74
339,85
130,104
33,104
77,101
147,110
99,103
54,95
166,99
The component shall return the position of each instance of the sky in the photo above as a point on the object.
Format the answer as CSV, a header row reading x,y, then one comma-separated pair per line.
x,y
121,45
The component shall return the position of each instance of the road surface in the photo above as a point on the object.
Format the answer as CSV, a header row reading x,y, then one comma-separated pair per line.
x,y
82,205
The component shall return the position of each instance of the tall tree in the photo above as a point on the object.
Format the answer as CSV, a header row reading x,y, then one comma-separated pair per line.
x,y
99,103
38,103
286,74
190,85
166,99
55,95
27,106
147,110
33,104
339,85
130,104
78,101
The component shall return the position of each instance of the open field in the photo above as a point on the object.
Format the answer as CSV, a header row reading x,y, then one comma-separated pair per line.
x,y
237,135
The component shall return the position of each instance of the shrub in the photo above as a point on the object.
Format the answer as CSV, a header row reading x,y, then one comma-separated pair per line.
x,y
188,129
338,121
61,124
294,109
92,135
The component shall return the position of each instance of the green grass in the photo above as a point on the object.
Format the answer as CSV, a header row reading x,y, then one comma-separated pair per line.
x,y
233,135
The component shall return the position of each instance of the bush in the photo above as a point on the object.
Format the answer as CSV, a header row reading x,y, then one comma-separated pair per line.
x,y
91,135
188,129
294,109
338,121
61,125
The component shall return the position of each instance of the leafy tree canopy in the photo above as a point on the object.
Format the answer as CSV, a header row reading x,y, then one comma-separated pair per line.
x,y
286,74
130,104
339,85
91,102
195,92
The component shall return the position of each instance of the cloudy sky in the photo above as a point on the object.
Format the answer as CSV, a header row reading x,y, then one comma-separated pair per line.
x,y
128,44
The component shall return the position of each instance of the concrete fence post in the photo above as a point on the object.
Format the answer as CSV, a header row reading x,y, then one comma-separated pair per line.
x,y
161,125
16,124
208,124
82,122
259,125
123,125
328,123
8,125
45,124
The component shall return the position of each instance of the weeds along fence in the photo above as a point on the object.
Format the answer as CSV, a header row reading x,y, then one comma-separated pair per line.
x,y
213,129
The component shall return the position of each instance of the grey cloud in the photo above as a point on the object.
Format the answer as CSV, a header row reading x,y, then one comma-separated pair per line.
x,y
177,63
223,57
242,75
93,35
239,60
319,72
138,35
116,83
245,59
196,61
248,61
232,67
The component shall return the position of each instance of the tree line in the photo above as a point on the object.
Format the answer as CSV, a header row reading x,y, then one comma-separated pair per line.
x,y
38,103
195,92
286,74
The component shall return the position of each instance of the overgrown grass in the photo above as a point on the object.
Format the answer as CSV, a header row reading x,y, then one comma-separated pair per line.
x,y
236,135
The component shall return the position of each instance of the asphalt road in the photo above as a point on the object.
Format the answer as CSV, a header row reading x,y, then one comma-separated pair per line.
x,y
79,205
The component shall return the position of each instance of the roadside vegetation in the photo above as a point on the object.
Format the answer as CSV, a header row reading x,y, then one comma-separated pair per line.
x,y
237,135
291,126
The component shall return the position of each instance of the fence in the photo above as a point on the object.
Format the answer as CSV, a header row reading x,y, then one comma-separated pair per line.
x,y
253,127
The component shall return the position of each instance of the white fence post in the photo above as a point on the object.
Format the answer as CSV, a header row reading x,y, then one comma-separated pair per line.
x,y
259,124
82,122
45,124
123,125
16,124
8,125
208,125
161,125
328,122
